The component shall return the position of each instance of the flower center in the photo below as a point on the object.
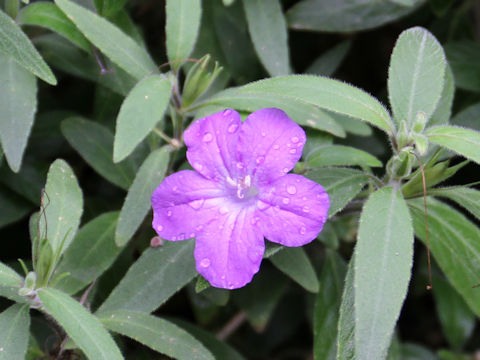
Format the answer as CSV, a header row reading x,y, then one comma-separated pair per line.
x,y
242,188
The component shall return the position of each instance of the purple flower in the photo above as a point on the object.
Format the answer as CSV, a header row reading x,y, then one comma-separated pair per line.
x,y
239,193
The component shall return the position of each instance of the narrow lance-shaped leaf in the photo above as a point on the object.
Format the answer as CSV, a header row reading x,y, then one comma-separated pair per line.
x,y
18,101
268,30
49,16
92,252
346,320
63,207
443,111
295,263
416,75
156,333
141,110
153,278
94,142
327,305
340,155
120,48
327,63
341,184
454,245
137,202
467,197
14,332
84,328
182,25
463,141
16,44
383,261
10,282
323,92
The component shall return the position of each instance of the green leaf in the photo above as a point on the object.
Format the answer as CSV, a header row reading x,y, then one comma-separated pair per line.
x,y
327,305
442,113
341,184
14,332
453,244
463,58
346,319
327,63
416,75
49,16
463,141
412,351
345,15
137,202
301,112
383,262
182,25
14,207
295,263
323,92
141,110
156,333
63,207
153,278
29,181
94,142
10,282
18,101
219,349
467,197
91,253
84,328
468,117
268,30
130,56
16,44
341,155
455,316
109,8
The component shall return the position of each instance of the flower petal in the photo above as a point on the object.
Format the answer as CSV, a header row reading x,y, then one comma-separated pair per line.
x,y
211,143
270,143
230,249
183,204
292,210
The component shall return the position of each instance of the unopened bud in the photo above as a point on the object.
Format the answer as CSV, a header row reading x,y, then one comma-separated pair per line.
x,y
420,122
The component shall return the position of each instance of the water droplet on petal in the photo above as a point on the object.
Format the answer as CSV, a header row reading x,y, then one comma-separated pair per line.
x,y
205,262
293,151
222,277
260,160
223,210
181,236
276,146
175,188
231,286
262,205
285,170
196,204
295,139
199,227
306,209
254,220
159,227
291,189
232,128
286,201
239,165
207,137
198,166
304,198
227,112
192,235
303,230
264,133
169,213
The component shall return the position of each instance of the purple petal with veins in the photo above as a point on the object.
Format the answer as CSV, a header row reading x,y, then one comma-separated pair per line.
x,y
239,193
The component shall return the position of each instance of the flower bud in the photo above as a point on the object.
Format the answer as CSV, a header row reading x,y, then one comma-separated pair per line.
x,y
420,122
421,143
403,136
400,165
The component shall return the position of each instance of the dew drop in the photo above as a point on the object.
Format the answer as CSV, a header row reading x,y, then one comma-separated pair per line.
x,y
198,166
222,277
260,160
303,230
286,201
205,262
169,213
306,209
207,137
285,170
295,139
223,210
254,220
199,227
231,286
291,189
311,122
174,238
276,147
196,204
239,165
181,236
293,151
264,133
227,112
232,128
159,227
175,188
304,198
192,235
262,205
